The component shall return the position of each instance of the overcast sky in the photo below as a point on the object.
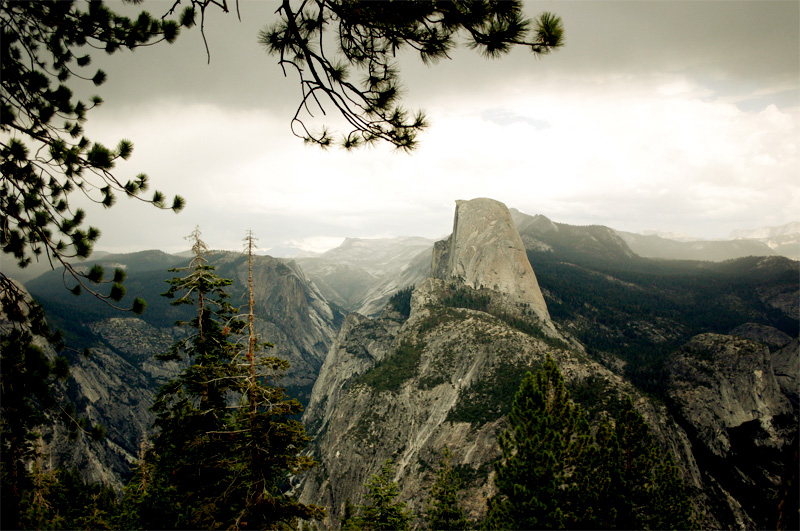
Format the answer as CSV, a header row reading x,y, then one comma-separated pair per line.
x,y
677,116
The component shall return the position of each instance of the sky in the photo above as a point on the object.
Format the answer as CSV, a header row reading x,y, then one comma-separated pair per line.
x,y
674,116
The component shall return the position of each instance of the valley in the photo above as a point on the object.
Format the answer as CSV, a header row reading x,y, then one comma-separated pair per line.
x,y
401,347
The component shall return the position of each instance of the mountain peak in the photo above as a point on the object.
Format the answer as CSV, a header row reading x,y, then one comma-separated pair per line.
x,y
485,250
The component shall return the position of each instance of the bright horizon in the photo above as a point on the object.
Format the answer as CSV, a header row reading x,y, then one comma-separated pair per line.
x,y
672,116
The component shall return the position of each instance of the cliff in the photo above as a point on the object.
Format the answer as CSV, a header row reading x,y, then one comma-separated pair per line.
x,y
486,251
115,385
404,389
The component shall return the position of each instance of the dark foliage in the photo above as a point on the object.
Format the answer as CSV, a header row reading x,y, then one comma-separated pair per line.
x,y
226,441
401,301
368,37
443,511
555,472
382,512
642,309
390,373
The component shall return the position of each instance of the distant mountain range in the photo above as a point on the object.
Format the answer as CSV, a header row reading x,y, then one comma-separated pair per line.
x,y
765,233
383,376
765,241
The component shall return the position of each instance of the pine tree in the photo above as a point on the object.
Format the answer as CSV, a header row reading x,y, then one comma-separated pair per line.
x,y
226,441
554,473
384,512
547,435
654,494
443,510
349,519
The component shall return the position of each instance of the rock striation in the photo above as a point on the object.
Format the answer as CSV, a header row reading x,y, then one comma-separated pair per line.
x,y
485,250
739,420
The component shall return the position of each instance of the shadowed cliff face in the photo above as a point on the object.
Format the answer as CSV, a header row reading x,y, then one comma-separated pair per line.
x,y
726,393
115,386
486,251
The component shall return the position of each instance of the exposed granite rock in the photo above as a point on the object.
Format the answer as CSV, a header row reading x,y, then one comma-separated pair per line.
x,y
444,377
759,332
486,251
740,422
786,366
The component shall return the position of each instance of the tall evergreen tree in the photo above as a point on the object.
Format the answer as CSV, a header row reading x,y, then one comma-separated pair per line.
x,y
226,441
443,511
653,495
383,512
349,519
555,473
547,435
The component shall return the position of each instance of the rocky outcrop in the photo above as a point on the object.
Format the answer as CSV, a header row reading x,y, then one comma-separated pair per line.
x,y
115,386
786,366
769,335
729,400
486,251
403,390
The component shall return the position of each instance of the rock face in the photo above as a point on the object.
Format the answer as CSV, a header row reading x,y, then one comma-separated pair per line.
x,y
361,274
486,251
115,386
739,421
404,389
786,365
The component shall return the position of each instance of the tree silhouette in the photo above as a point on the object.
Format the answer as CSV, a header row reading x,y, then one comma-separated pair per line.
x,y
226,442
368,36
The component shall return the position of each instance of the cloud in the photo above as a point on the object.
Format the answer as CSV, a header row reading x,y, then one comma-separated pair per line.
x,y
657,148
679,116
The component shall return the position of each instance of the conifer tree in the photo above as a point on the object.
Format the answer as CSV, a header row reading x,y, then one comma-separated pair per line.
x,y
547,435
554,473
652,493
226,441
349,519
383,512
443,511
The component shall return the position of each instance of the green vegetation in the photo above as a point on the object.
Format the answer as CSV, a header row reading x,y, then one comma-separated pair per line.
x,y
225,441
642,309
401,301
595,395
60,499
383,512
442,508
488,398
556,473
469,298
390,373
481,300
